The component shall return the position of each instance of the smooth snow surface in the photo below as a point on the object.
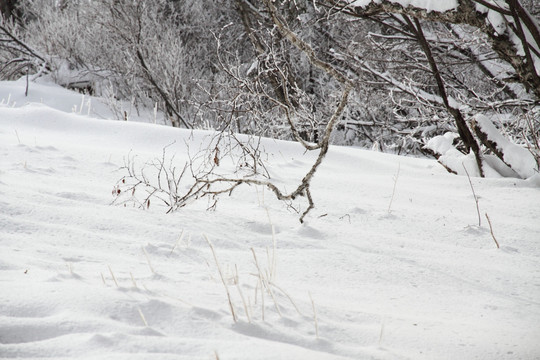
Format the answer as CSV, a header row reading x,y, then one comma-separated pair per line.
x,y
12,94
408,277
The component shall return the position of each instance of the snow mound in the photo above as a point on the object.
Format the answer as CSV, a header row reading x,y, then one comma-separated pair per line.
x,y
516,157
454,160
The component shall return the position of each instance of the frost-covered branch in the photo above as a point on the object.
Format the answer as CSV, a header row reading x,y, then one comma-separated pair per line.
x,y
210,182
442,32
21,56
513,33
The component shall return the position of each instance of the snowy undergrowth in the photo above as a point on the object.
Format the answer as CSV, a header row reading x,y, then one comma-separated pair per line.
x,y
415,280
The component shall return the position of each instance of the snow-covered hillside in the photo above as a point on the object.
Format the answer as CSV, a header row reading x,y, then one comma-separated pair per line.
x,y
393,263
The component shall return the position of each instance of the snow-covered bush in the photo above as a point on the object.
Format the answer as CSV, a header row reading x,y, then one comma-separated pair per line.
x,y
147,51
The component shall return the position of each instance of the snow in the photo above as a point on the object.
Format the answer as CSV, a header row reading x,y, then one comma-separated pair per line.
x,y
12,94
442,144
498,21
518,161
517,157
464,164
429,5
420,280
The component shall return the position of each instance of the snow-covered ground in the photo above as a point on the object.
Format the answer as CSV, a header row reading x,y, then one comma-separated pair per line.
x,y
408,276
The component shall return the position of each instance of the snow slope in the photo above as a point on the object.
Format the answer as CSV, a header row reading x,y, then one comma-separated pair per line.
x,y
80,278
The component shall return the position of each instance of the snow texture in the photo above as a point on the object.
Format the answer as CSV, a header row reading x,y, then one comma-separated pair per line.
x,y
416,279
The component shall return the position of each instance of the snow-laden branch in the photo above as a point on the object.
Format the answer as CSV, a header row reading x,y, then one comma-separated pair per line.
x,y
514,34
23,55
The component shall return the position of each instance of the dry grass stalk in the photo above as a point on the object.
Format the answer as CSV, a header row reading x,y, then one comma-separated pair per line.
x,y
265,283
148,260
142,317
231,306
491,230
274,298
246,310
17,134
262,298
382,331
178,241
273,265
288,297
394,189
133,280
114,278
474,194
271,259
314,316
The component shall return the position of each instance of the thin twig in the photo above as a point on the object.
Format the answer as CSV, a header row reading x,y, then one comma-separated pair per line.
x,y
314,316
394,189
18,138
148,260
491,230
246,310
233,312
113,277
289,297
382,331
133,280
474,194
142,317
178,241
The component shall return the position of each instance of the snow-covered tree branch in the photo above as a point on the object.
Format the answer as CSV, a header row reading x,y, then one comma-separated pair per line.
x,y
443,33
514,34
